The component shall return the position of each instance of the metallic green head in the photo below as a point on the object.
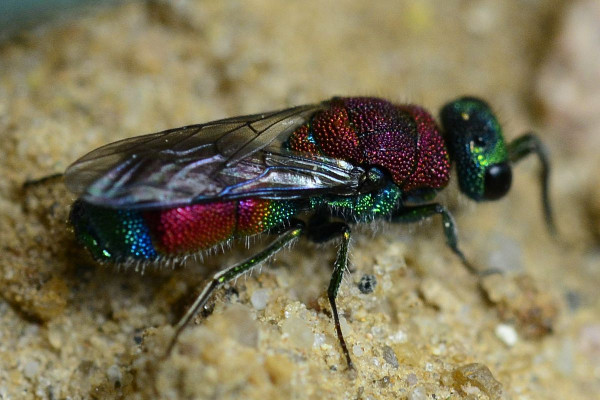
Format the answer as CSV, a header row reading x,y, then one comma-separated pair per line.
x,y
476,145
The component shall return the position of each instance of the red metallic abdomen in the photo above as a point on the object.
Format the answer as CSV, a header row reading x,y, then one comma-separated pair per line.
x,y
184,230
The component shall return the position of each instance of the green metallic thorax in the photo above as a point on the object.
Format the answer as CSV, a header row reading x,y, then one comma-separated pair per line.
x,y
362,208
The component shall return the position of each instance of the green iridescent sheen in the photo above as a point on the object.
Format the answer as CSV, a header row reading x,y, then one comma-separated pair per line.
x,y
278,213
366,207
481,159
475,142
112,235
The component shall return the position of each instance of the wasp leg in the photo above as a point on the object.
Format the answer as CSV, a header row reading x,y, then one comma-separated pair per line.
x,y
227,275
418,213
520,148
322,232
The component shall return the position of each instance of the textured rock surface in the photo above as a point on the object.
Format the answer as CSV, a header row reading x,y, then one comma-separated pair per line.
x,y
72,329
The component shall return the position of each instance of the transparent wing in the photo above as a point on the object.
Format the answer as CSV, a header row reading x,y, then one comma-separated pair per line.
x,y
226,159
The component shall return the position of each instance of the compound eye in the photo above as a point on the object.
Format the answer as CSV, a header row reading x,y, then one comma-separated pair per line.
x,y
498,178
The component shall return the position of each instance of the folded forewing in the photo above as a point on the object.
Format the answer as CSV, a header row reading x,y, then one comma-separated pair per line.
x,y
231,158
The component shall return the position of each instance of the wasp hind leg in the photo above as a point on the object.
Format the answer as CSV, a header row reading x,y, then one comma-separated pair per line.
x,y
323,232
231,273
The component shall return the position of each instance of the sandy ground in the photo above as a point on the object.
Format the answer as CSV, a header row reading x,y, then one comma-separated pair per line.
x,y
430,330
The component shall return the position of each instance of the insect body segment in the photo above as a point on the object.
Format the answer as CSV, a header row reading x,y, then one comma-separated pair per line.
x,y
363,208
400,141
403,140
110,234
477,145
305,171
131,235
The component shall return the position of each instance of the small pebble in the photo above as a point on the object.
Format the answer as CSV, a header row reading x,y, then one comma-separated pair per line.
x,y
418,393
344,325
438,295
299,332
357,350
480,376
507,334
31,368
390,356
55,337
589,341
319,340
385,381
399,337
412,379
367,283
241,325
280,368
259,299
113,373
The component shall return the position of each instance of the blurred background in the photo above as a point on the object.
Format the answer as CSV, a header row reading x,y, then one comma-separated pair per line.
x,y
78,74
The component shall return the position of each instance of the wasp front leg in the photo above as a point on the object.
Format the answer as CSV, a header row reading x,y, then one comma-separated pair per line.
x,y
409,214
528,144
